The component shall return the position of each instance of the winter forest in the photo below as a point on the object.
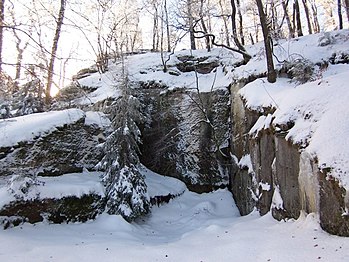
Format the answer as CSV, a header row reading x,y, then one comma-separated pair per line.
x,y
174,130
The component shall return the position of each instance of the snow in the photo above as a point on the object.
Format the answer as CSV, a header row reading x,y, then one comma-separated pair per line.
x,y
319,111
79,184
26,128
105,85
245,161
192,227
304,48
277,201
148,67
161,185
5,197
200,227
75,184
262,123
97,118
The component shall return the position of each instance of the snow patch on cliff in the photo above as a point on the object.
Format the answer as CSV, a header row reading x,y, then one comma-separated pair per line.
x,y
26,128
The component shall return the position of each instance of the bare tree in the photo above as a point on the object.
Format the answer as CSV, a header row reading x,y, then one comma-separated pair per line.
x,y
59,24
271,76
2,15
203,25
191,24
307,15
167,24
316,21
225,22
155,46
284,5
241,32
297,18
346,3
19,40
340,17
234,29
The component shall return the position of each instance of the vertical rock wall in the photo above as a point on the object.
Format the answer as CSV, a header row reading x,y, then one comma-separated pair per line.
x,y
285,179
187,137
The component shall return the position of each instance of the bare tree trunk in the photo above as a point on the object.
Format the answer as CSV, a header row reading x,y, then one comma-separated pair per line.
x,y
54,51
274,21
287,17
340,17
298,18
251,39
2,16
155,29
225,23
233,24
191,26
346,2
241,32
204,28
207,38
316,21
167,27
271,76
307,14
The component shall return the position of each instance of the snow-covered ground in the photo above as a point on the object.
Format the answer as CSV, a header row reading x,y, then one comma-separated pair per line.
x,y
190,228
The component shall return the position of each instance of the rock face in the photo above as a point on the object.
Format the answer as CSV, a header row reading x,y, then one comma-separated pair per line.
x,y
334,216
284,178
67,150
67,209
187,137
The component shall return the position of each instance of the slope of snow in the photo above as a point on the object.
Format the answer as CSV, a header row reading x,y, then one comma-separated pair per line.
x,y
105,85
304,48
148,67
97,118
26,128
76,184
190,228
319,110
79,184
161,185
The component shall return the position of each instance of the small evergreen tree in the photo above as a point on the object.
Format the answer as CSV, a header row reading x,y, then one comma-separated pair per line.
x,y
125,186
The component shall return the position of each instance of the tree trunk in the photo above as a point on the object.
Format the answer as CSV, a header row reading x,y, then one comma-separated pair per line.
x,y
288,20
271,76
233,24
298,18
274,22
2,15
155,29
346,2
225,22
54,51
241,32
167,27
191,26
340,17
316,21
204,28
307,14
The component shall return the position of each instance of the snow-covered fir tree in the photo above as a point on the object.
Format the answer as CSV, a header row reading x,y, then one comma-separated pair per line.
x,y
125,186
